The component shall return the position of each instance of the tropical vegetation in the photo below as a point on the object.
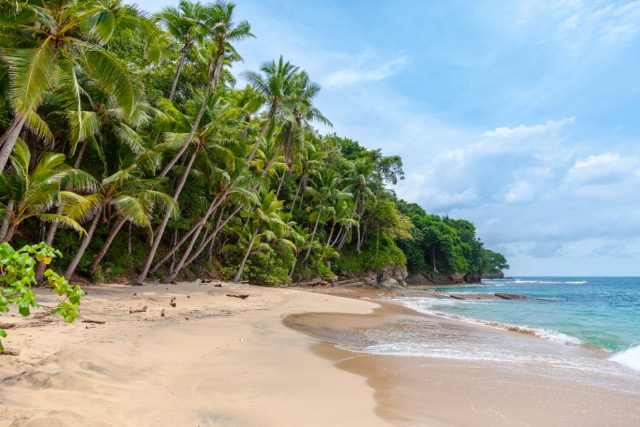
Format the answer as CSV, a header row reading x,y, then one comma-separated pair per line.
x,y
128,143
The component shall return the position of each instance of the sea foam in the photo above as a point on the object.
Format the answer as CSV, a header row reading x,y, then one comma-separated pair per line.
x,y
629,358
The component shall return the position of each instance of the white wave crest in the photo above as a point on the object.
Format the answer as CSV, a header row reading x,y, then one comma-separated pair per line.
x,y
426,306
629,358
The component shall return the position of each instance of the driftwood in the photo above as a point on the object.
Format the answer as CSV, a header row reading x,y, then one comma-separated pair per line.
x,y
99,322
241,296
138,310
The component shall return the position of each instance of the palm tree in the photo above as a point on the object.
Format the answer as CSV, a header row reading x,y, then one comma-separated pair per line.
x,y
33,192
225,31
324,188
56,38
185,23
266,212
359,179
275,84
132,198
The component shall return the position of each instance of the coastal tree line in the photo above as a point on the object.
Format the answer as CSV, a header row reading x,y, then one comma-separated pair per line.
x,y
127,143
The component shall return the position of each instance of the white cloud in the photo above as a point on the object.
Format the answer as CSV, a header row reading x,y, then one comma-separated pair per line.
x,y
364,71
524,131
603,169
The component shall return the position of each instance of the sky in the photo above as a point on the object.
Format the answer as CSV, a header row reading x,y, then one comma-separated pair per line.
x,y
522,117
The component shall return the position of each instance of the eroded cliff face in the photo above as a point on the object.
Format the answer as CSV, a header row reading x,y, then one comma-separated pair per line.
x,y
438,279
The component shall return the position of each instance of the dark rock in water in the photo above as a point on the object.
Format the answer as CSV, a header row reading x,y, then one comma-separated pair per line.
x,y
512,296
493,296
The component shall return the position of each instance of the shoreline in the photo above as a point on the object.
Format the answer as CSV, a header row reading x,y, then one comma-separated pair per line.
x,y
270,360
447,392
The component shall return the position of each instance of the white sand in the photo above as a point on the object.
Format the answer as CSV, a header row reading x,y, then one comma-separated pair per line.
x,y
232,363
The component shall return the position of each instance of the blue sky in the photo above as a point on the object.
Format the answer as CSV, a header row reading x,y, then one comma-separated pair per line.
x,y
523,117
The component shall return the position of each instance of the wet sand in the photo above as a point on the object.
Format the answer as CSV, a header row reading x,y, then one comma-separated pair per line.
x,y
416,391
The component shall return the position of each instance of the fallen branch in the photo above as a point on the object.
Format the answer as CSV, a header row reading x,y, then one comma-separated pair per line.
x,y
99,322
138,310
241,296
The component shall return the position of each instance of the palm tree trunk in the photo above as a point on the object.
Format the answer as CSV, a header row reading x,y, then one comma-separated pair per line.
x,y
112,235
333,226
195,228
9,140
194,128
212,237
271,162
174,271
263,132
10,232
238,275
178,71
313,234
293,203
83,247
7,219
160,231
76,164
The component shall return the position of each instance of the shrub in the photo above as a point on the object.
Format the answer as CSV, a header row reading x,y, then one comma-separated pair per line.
x,y
17,276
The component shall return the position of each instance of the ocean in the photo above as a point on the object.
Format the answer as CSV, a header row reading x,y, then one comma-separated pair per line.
x,y
569,325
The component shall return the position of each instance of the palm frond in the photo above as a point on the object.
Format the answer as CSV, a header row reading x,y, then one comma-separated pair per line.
x,y
32,72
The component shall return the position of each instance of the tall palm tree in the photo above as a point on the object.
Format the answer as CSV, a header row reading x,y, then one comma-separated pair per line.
x,y
185,23
225,31
56,38
276,85
324,188
359,181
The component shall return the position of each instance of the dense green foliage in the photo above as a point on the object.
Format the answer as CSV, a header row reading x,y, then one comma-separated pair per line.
x,y
17,276
446,245
130,129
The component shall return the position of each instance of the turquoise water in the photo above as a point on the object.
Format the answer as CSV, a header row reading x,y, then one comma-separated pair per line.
x,y
597,312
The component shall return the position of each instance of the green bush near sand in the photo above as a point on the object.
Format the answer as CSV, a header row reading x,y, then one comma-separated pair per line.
x,y
17,276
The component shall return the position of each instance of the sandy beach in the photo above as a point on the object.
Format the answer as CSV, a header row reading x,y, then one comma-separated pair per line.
x,y
220,360
212,360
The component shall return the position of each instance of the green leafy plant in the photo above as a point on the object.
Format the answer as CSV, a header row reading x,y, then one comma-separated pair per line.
x,y
17,276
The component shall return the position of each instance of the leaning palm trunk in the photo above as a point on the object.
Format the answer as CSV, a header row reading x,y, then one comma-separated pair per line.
x,y
214,205
7,219
211,85
112,235
83,247
9,140
178,71
163,225
263,132
196,228
238,275
212,237
313,234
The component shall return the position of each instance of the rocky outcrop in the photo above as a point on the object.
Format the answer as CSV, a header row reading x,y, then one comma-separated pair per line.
x,y
437,279
390,277
498,275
